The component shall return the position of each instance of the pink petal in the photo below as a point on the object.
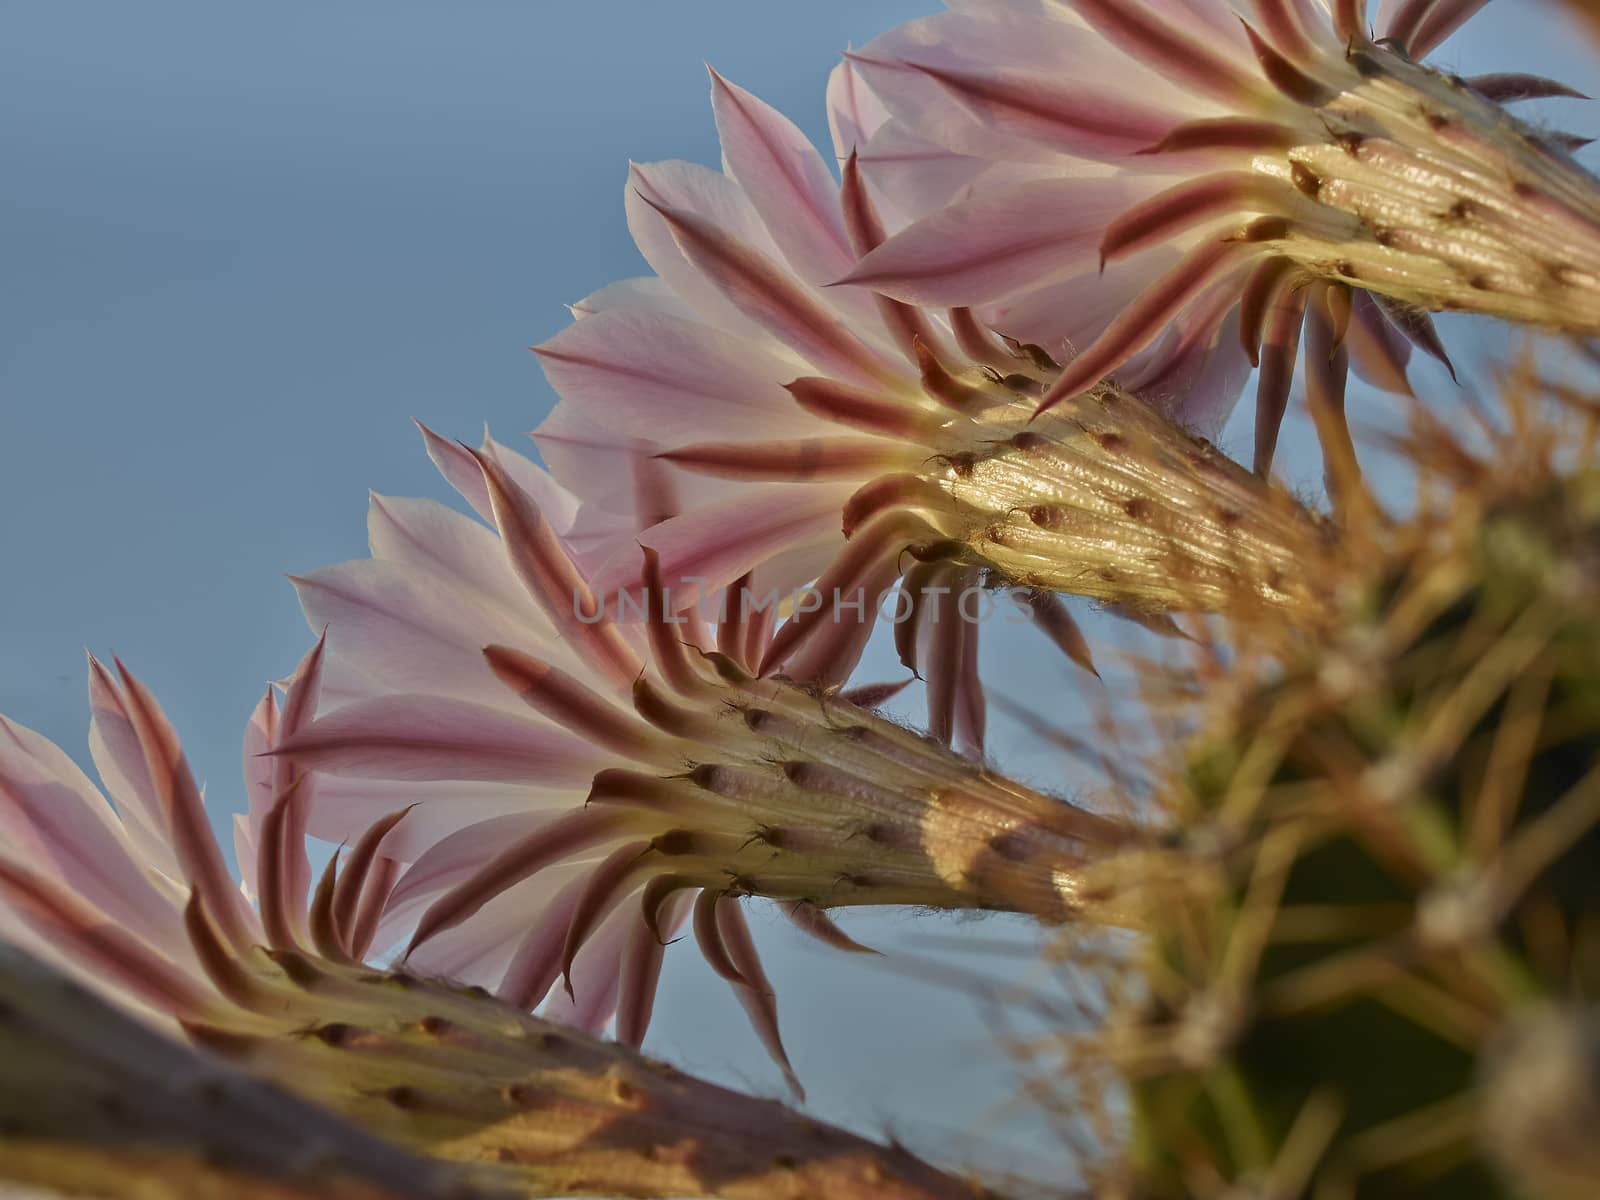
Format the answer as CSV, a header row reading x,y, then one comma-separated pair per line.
x,y
1447,17
558,840
716,199
675,380
1145,319
999,242
185,812
85,939
552,578
775,300
119,758
720,543
642,293
424,534
55,822
408,630
434,737
346,807
930,74
854,113
789,185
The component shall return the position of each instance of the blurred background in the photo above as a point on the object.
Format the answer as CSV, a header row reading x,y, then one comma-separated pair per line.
x,y
243,244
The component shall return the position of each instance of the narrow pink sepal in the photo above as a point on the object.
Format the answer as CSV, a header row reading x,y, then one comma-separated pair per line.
x,y
561,698
401,736
289,782
353,878
1280,349
1447,17
642,958
802,460
536,962
185,811
1507,88
85,936
772,298
1143,320
786,180
551,843
813,921
887,414
550,575
753,988
1165,45
607,884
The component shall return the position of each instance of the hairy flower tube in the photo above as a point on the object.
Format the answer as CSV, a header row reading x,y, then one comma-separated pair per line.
x,y
1126,172
136,903
578,786
749,423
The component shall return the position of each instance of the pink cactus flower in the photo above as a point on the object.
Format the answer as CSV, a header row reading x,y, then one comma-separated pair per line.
x,y
577,785
751,423
1108,178
135,903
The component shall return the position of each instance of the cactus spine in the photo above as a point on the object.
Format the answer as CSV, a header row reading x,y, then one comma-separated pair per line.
x,y
1374,951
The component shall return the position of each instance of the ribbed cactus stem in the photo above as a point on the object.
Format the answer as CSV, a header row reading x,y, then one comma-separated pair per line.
x,y
94,1103
549,1111
1373,961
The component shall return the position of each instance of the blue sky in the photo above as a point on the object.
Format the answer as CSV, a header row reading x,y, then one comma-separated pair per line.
x,y
243,244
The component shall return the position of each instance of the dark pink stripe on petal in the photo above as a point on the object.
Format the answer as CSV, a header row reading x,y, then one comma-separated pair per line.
x,y
174,783
774,299
1082,120
1350,20
1287,29
408,736
1192,204
803,460
555,841
87,936
883,412
1166,48
1447,17
352,880
1144,320
550,575
1402,26
556,695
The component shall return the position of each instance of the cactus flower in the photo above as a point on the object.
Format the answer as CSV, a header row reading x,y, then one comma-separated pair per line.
x,y
1129,173
580,785
744,420
135,902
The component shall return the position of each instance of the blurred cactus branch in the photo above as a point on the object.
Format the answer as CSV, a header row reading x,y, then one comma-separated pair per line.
x,y
93,1102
